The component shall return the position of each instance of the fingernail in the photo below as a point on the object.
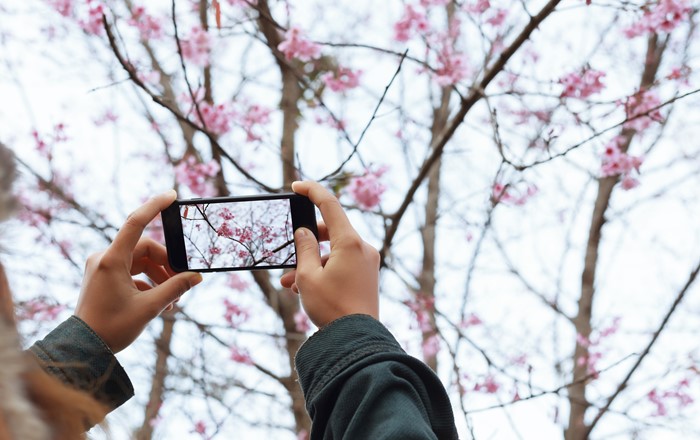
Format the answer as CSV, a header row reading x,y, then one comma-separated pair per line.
x,y
295,183
170,193
301,233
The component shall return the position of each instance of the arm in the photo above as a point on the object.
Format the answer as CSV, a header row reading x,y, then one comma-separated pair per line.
x,y
114,308
357,381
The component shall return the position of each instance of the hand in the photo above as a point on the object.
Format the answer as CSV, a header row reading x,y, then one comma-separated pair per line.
x,y
118,307
342,283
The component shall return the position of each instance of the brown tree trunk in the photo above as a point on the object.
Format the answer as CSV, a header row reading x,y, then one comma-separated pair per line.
x,y
160,373
577,428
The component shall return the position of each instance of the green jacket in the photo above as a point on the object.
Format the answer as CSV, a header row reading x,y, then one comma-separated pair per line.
x,y
358,382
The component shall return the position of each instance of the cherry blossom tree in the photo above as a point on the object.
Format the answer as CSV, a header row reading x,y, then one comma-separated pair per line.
x,y
528,170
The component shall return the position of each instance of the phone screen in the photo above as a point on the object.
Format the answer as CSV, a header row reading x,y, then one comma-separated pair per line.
x,y
244,234
235,233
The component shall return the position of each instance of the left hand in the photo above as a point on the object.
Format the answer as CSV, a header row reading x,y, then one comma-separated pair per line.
x,y
115,305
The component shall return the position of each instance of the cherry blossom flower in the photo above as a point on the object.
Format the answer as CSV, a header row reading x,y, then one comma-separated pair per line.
x,y
498,17
487,385
638,109
342,79
149,27
196,47
39,309
234,314
426,3
411,22
470,321
63,7
240,356
93,23
451,66
511,195
582,84
196,176
367,189
252,117
662,16
421,306
200,428
617,163
478,7
105,118
215,117
679,394
236,282
302,322
431,346
242,2
296,45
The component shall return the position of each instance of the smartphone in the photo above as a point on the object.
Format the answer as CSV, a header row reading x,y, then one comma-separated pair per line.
x,y
236,233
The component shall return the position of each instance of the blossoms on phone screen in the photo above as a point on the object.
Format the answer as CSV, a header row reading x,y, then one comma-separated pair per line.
x,y
240,234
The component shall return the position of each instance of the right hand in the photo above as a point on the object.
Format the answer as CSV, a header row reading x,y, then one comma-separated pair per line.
x,y
346,281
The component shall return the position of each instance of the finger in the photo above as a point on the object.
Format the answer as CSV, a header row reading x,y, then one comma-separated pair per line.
x,y
322,231
151,249
308,257
130,233
166,293
156,273
142,285
288,278
333,214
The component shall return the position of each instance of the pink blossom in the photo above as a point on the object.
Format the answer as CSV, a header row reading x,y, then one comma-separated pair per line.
x,y
197,176
367,189
582,84
662,16
470,321
196,47
488,385
512,195
234,314
678,394
148,77
93,23
426,3
617,163
200,428
451,66
342,79
63,7
301,321
107,117
498,17
478,7
39,309
241,356
242,2
431,346
224,230
412,21
296,45
149,27
236,282
641,110
252,117
216,118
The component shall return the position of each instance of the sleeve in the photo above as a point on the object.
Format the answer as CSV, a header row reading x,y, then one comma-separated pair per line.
x,y
359,383
75,354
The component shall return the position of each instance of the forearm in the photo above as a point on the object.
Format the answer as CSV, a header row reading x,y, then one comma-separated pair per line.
x,y
76,355
359,383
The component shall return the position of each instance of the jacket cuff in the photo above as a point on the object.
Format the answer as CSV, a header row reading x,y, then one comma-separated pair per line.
x,y
75,354
337,346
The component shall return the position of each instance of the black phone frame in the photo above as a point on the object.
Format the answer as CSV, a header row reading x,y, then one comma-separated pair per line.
x,y
302,210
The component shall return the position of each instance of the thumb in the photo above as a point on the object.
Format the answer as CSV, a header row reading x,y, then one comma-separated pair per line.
x,y
170,290
308,255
